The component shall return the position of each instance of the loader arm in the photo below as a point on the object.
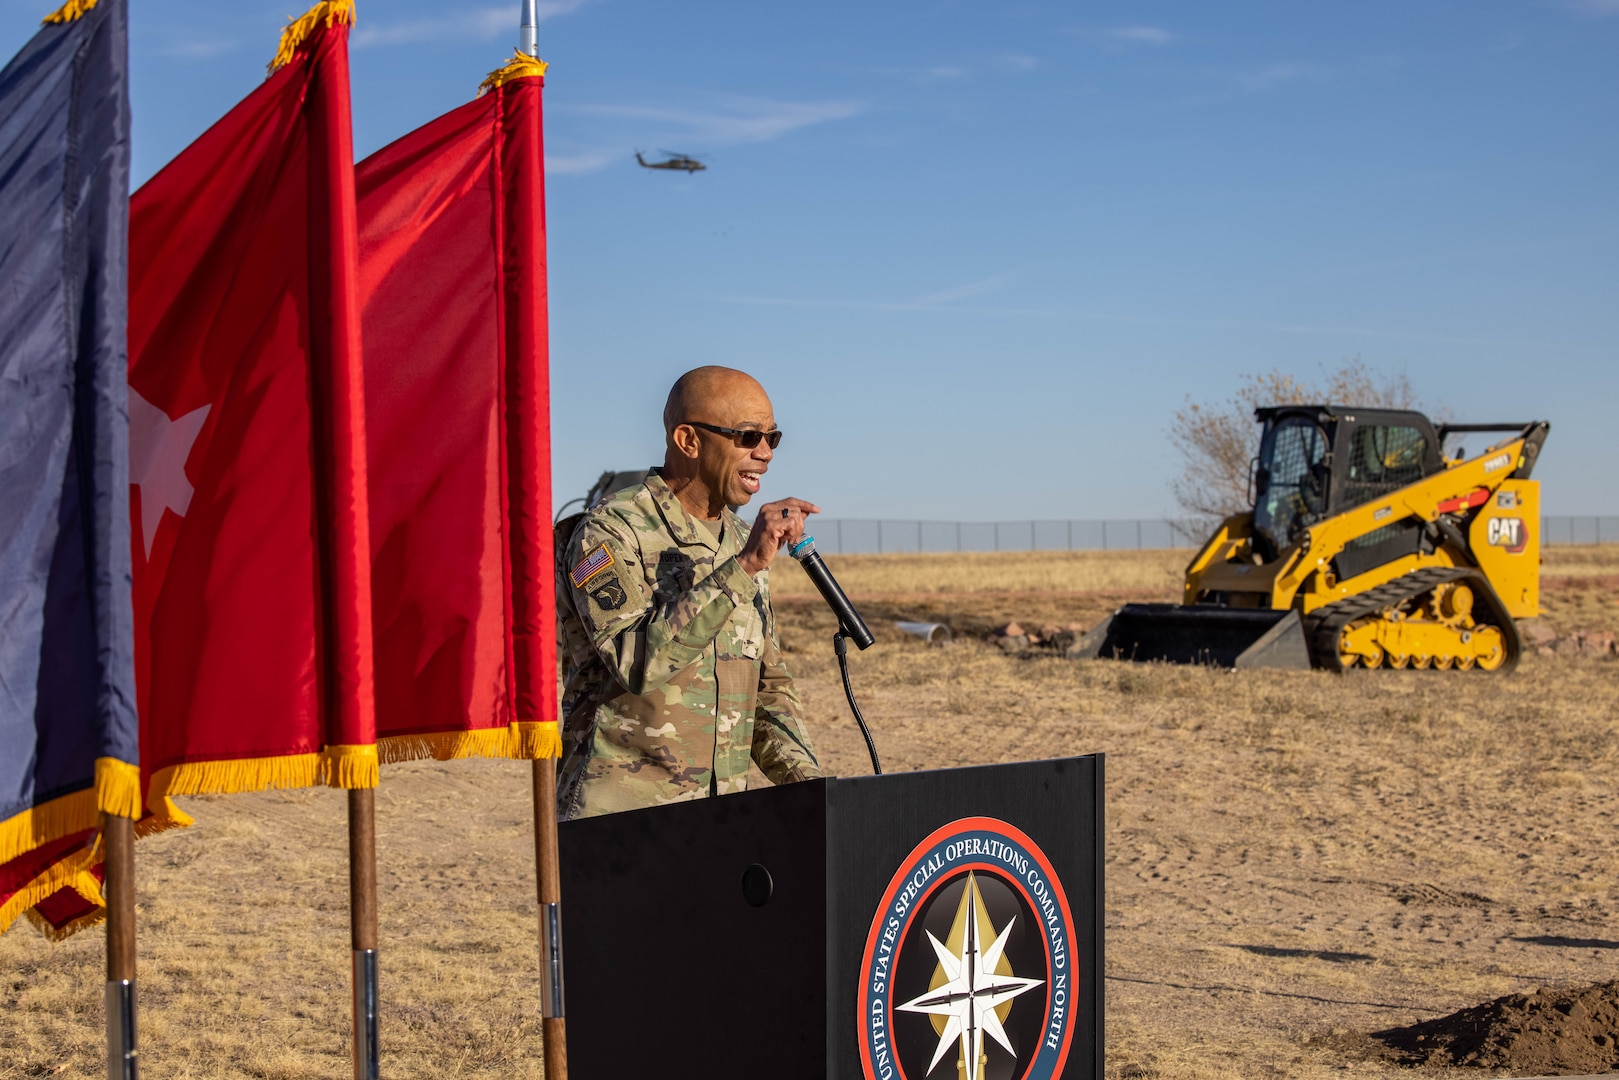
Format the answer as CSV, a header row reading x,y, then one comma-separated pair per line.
x,y
1231,542
1434,500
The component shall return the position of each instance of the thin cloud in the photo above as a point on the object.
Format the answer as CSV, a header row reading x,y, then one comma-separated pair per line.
x,y
479,24
1274,75
736,120
575,164
198,48
943,300
1139,35
878,305
935,73
962,292
930,73
1135,320
1018,61
728,122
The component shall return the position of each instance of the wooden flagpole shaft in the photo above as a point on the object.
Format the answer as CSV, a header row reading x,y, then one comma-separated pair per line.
x,y
548,878
363,928
118,837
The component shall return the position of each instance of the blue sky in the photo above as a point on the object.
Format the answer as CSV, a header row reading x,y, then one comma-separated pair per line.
x,y
981,253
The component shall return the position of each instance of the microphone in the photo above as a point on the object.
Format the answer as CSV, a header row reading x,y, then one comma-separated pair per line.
x,y
849,620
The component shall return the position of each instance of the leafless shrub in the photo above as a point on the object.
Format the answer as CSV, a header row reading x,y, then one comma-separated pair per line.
x,y
1218,440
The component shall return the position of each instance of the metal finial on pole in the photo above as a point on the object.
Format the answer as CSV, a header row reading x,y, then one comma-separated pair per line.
x,y
529,32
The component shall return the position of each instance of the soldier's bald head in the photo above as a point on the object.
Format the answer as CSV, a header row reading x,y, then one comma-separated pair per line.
x,y
713,395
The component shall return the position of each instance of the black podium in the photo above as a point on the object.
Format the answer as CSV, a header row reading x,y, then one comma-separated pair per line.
x,y
885,926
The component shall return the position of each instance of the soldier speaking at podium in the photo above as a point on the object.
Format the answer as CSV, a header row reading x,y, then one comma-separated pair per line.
x,y
674,678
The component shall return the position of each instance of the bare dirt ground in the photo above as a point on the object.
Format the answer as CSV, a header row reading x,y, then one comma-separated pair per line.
x,y
1294,860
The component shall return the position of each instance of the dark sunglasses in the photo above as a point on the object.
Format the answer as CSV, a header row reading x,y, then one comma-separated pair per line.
x,y
747,440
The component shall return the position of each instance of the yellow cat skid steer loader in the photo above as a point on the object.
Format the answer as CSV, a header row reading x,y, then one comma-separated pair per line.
x,y
1366,547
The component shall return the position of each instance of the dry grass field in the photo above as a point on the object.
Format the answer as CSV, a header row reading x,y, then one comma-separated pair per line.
x,y
1294,859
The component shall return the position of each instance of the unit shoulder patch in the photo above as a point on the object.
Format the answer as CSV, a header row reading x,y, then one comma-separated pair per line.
x,y
591,565
609,594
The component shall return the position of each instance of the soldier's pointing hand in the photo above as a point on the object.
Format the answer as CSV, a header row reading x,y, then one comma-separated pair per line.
x,y
778,524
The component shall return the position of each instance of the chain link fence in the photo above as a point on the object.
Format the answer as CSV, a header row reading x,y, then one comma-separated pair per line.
x,y
1558,531
862,536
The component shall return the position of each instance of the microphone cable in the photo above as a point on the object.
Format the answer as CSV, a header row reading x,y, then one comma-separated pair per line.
x,y
850,626
840,644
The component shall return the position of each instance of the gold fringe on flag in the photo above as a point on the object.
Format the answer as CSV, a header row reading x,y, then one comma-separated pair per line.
x,y
351,766
117,790
448,745
523,741
337,766
537,740
221,778
298,31
83,922
69,12
73,873
520,66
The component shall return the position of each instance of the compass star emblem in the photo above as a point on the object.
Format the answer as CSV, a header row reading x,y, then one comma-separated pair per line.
x,y
973,989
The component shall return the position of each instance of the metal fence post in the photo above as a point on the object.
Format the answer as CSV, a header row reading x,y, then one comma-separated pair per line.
x,y
879,537
997,536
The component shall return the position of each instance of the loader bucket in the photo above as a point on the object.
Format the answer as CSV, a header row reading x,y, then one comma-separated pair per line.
x,y
1199,634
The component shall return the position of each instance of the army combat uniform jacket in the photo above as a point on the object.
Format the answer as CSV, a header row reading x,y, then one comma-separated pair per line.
x,y
674,678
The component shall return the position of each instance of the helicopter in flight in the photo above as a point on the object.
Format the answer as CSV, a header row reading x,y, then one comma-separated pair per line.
x,y
682,162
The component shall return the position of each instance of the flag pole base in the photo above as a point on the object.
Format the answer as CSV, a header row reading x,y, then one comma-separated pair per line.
x,y
366,1053
122,1062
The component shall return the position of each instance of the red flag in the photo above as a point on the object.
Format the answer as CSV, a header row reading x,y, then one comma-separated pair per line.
x,y
247,435
57,883
452,282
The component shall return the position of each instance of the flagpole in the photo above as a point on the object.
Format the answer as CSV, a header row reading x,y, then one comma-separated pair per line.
x,y
547,867
363,928
548,878
529,31
118,836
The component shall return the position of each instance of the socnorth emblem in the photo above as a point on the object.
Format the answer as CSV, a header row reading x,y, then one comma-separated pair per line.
x,y
968,969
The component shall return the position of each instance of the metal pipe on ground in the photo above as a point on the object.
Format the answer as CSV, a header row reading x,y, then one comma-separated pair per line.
x,y
933,633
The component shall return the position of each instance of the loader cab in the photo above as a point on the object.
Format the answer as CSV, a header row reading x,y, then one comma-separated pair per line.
x,y
1317,461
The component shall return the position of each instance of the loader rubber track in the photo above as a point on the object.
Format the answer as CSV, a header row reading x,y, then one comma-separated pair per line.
x,y
1324,625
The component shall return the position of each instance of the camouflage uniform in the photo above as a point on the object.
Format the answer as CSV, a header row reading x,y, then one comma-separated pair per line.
x,y
674,675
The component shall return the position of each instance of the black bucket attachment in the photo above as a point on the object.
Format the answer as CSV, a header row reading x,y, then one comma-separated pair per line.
x,y
1200,634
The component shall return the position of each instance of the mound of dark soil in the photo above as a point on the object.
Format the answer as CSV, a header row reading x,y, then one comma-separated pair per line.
x,y
1542,1033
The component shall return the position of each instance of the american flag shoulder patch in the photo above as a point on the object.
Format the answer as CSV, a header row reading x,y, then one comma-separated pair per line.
x,y
592,564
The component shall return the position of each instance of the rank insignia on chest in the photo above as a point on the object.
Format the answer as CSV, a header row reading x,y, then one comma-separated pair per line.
x,y
591,565
609,595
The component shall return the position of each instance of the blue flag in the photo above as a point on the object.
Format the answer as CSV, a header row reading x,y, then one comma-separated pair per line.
x,y
68,737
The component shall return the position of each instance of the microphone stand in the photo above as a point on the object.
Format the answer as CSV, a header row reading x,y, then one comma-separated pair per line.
x,y
840,645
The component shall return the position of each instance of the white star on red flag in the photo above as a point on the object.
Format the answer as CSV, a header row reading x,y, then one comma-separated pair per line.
x,y
158,449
